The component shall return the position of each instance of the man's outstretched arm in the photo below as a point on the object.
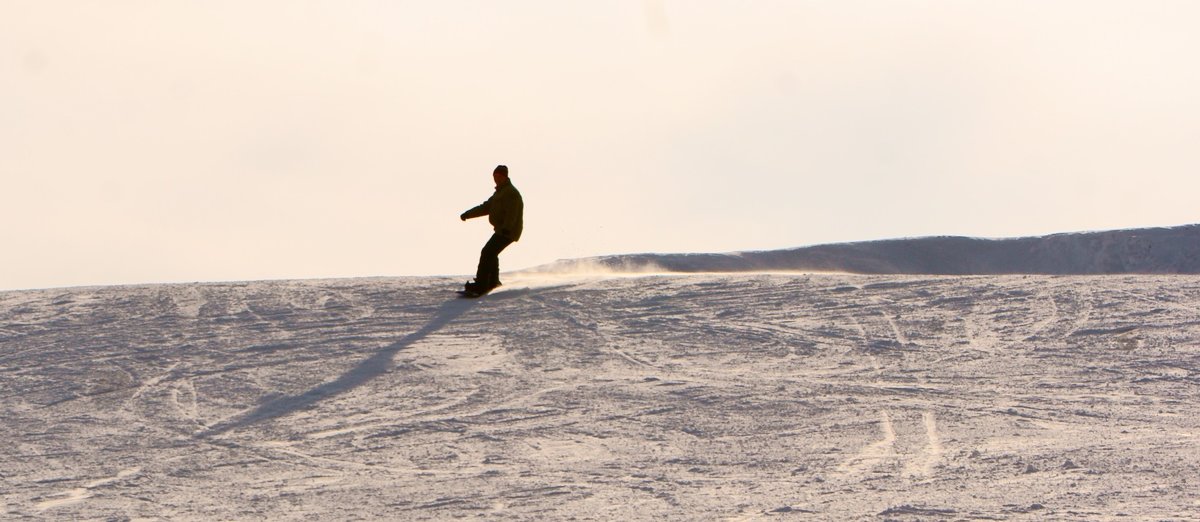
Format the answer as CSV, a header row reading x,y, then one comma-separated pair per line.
x,y
483,209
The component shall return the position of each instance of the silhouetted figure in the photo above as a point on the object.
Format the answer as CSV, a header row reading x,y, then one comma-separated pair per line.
x,y
504,211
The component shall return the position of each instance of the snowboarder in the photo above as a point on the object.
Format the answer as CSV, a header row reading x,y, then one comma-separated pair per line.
x,y
504,211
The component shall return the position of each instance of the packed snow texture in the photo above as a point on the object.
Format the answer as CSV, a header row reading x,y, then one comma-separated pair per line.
x,y
1142,251
686,397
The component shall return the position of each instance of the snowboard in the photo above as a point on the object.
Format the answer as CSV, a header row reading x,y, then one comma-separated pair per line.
x,y
475,294
468,294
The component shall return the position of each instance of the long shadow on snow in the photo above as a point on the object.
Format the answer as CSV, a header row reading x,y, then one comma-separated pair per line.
x,y
370,368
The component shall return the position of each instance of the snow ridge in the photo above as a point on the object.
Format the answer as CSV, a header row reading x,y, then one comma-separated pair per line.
x,y
1174,250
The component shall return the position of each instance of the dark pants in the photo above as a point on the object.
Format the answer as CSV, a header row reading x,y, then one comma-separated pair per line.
x,y
488,274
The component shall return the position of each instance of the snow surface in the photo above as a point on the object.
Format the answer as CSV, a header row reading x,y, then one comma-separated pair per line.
x,y
1173,250
687,397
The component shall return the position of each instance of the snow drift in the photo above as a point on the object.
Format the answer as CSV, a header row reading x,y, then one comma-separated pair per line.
x,y
1142,251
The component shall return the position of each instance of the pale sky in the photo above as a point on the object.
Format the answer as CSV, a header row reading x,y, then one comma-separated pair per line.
x,y
170,141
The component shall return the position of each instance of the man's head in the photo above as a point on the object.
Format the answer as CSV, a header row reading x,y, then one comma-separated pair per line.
x,y
500,175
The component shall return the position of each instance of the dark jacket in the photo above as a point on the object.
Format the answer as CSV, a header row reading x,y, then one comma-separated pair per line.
x,y
504,211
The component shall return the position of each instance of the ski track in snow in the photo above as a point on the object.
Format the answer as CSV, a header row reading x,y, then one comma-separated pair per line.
x,y
875,454
706,397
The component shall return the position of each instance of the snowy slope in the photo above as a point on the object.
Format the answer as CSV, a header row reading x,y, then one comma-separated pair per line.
x,y
701,397
1142,251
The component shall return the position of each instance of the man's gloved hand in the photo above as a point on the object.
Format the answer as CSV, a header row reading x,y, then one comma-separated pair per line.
x,y
463,216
